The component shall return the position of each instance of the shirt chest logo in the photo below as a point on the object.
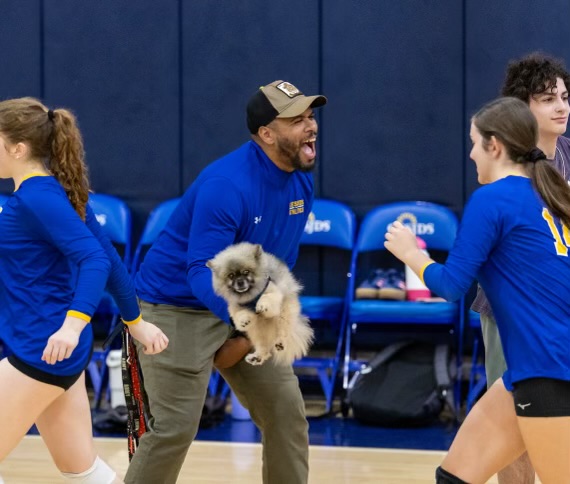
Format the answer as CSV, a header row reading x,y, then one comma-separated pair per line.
x,y
296,207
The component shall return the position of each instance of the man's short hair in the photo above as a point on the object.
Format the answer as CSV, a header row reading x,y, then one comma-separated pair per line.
x,y
533,74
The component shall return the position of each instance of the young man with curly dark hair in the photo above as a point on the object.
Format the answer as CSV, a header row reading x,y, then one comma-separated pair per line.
x,y
542,82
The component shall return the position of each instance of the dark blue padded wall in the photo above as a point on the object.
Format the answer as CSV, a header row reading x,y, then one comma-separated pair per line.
x,y
116,64
229,49
497,32
394,127
160,88
21,54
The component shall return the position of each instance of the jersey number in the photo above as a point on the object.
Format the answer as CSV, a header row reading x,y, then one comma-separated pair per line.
x,y
561,247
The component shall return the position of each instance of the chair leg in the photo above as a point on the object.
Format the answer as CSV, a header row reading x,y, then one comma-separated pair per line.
x,y
477,377
340,345
214,382
95,376
346,364
100,374
327,384
218,386
103,383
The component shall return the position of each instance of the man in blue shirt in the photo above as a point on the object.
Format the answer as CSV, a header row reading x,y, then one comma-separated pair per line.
x,y
260,193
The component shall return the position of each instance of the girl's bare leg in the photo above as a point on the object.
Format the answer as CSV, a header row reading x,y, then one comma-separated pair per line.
x,y
65,427
23,400
547,440
488,440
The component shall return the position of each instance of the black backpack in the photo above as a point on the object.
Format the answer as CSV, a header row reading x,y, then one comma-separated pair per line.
x,y
406,384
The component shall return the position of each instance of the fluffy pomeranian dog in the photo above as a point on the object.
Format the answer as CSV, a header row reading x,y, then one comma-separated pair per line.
x,y
263,301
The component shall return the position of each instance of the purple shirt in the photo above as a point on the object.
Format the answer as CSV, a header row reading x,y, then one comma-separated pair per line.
x,y
562,163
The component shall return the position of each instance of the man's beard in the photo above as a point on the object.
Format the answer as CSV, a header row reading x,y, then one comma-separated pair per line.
x,y
291,152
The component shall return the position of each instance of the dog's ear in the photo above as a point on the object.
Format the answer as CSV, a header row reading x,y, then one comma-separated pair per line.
x,y
258,250
211,265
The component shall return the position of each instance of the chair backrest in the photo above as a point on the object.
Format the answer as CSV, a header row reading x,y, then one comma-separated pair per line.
x,y
330,224
155,223
114,216
435,224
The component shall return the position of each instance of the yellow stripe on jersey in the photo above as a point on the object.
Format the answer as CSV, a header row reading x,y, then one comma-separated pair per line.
x,y
423,269
77,314
134,321
31,175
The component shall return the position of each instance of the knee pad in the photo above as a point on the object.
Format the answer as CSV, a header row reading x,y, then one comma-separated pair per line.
x,y
444,477
98,473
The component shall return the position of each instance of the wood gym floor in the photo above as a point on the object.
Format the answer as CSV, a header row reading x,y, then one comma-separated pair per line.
x,y
30,463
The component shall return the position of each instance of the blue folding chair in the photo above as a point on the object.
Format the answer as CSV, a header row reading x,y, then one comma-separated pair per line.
x,y
155,223
330,224
477,375
437,226
114,216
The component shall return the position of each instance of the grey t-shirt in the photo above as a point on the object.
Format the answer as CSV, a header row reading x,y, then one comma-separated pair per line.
x,y
562,163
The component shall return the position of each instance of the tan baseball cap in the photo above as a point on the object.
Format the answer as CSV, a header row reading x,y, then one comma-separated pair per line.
x,y
280,99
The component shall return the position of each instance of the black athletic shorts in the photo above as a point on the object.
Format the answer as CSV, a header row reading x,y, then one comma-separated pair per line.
x,y
65,382
542,397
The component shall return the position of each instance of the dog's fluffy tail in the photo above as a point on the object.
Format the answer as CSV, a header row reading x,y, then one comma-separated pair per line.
x,y
298,343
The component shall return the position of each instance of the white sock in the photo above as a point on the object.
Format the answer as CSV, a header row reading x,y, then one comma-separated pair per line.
x,y
98,473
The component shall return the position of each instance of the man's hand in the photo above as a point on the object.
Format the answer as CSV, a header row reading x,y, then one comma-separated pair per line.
x,y
151,337
61,344
232,352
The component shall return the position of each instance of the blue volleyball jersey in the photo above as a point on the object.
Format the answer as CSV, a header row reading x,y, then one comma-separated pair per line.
x,y
52,262
242,197
561,162
516,249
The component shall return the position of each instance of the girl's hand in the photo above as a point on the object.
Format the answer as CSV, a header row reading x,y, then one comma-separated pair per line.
x,y
150,336
61,344
401,241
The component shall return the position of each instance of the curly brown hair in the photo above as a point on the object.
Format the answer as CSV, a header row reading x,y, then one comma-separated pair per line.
x,y
54,138
533,74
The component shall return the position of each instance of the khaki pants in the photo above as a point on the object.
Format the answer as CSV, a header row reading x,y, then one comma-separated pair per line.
x,y
176,382
495,364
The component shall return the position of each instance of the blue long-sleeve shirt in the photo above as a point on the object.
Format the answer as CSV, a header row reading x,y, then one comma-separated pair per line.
x,y
41,240
561,162
520,258
51,262
242,197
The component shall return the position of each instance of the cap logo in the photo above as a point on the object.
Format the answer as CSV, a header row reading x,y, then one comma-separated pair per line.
x,y
289,89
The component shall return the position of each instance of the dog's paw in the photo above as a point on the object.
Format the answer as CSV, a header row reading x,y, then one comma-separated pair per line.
x,y
279,346
266,308
254,359
242,322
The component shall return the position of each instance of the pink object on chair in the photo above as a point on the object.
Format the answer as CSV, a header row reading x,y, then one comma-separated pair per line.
x,y
415,288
